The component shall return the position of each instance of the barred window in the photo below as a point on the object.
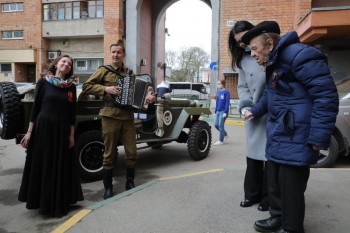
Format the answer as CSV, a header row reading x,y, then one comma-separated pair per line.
x,y
87,65
5,68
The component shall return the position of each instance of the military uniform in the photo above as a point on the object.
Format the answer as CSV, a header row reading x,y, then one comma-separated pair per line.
x,y
116,122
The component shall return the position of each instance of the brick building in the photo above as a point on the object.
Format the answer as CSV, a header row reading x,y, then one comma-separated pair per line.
x,y
35,31
324,24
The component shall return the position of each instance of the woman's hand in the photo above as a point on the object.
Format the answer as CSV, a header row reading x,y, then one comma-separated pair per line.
x,y
25,140
71,141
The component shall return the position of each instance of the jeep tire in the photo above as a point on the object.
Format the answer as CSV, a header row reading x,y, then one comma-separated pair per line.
x,y
328,157
10,110
199,140
89,151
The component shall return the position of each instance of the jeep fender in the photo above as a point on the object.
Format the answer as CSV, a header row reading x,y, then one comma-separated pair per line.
x,y
183,119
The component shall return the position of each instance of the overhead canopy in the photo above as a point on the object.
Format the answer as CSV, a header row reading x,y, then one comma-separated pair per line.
x,y
325,22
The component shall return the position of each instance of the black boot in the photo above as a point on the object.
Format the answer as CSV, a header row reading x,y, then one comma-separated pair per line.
x,y
130,176
107,182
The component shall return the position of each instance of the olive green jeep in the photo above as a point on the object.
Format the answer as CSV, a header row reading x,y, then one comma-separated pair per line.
x,y
178,121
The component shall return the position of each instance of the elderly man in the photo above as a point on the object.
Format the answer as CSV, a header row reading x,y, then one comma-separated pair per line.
x,y
301,103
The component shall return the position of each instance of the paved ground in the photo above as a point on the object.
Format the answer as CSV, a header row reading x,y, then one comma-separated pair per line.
x,y
208,202
175,196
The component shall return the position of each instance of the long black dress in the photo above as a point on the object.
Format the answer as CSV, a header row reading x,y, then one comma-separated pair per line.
x,y
50,180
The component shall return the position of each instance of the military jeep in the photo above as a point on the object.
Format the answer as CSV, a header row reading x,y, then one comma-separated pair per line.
x,y
180,120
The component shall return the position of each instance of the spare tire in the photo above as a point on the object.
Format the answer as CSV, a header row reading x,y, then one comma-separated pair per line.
x,y
10,110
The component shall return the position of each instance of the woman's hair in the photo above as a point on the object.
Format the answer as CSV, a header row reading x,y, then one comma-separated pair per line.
x,y
120,43
235,49
53,67
223,82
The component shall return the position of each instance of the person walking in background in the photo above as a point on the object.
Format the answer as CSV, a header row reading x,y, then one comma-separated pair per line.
x,y
251,85
221,111
116,121
301,102
50,180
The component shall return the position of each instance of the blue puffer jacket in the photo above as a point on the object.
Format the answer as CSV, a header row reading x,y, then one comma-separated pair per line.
x,y
301,101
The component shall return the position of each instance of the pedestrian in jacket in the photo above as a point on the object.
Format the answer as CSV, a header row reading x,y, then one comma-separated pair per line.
x,y
221,111
251,85
301,102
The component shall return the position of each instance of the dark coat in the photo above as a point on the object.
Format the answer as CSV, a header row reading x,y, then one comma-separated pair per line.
x,y
301,100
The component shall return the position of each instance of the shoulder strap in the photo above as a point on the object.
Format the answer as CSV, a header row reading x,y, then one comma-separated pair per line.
x,y
111,69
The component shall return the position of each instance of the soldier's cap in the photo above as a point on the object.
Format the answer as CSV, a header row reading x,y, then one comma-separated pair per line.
x,y
263,27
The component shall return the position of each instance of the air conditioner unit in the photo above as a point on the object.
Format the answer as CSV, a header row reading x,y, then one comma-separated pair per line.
x,y
52,55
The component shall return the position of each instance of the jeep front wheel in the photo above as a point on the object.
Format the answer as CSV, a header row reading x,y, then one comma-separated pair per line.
x,y
89,151
199,140
10,110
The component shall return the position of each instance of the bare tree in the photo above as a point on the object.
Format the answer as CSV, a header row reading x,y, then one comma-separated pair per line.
x,y
170,57
188,63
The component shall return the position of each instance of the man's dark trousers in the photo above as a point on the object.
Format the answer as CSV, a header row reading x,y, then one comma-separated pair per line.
x,y
286,187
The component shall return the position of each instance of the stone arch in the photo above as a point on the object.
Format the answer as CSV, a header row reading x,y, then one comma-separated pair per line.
x,y
133,42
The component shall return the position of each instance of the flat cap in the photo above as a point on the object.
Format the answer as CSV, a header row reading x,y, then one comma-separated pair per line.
x,y
263,27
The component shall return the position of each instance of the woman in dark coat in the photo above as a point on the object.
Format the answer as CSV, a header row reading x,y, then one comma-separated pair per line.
x,y
251,85
50,182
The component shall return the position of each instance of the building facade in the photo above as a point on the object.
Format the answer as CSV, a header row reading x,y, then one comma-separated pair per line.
x,y
33,32
324,24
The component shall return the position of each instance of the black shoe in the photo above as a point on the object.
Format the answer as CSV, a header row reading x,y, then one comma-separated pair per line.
x,y
281,231
129,185
268,225
107,183
108,192
247,203
263,208
287,231
130,176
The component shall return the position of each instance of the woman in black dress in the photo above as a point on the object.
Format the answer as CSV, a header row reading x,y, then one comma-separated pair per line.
x,y
50,180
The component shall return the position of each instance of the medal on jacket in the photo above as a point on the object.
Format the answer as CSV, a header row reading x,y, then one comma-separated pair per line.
x,y
275,80
70,96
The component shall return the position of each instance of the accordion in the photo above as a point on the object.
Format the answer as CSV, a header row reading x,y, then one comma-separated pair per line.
x,y
134,90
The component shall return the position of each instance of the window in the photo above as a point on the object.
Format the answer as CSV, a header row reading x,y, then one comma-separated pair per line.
x,y
8,35
95,9
12,7
81,65
5,67
68,10
76,10
73,10
87,65
60,14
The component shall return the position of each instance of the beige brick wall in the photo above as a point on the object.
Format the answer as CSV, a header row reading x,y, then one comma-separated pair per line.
x,y
255,11
113,24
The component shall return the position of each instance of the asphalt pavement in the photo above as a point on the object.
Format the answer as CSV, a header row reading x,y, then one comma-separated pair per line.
x,y
175,194
208,202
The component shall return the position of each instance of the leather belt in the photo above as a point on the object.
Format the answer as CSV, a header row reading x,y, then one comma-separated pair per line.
x,y
111,104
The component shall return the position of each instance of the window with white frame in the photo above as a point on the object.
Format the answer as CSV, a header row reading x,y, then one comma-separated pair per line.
x,y
5,67
12,7
73,10
12,35
87,65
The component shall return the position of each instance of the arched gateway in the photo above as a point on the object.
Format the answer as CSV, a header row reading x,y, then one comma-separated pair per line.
x,y
145,29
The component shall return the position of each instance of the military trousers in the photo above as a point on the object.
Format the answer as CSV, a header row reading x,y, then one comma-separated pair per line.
x,y
114,131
